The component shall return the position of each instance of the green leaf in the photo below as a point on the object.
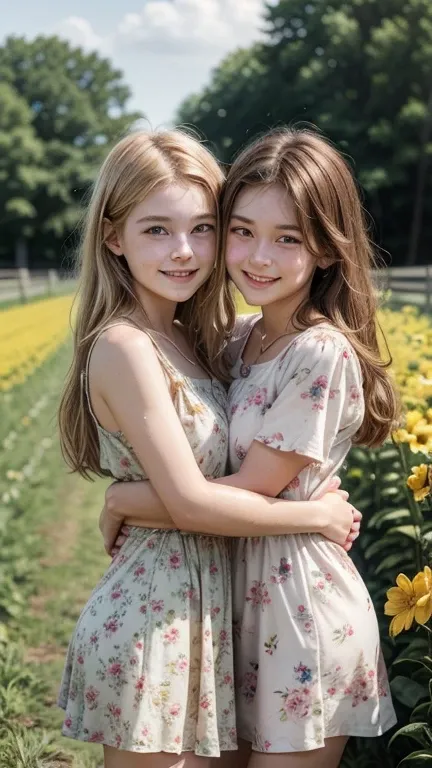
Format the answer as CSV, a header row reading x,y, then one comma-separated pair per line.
x,y
420,732
407,691
418,759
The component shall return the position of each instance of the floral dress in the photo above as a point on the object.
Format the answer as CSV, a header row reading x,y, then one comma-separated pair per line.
x,y
307,647
150,664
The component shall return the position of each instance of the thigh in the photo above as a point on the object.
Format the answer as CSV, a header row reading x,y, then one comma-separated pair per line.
x,y
115,758
328,757
238,759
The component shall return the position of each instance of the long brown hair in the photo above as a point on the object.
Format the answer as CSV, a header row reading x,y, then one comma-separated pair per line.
x,y
332,222
136,166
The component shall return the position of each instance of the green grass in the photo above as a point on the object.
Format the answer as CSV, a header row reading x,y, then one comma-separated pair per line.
x,y
51,557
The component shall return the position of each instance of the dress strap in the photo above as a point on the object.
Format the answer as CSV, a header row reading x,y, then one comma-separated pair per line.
x,y
165,363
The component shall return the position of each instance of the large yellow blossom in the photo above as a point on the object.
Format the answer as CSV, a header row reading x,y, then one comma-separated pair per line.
x,y
420,481
409,601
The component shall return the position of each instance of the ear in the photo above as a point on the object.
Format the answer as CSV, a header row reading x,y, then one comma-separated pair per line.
x,y
111,238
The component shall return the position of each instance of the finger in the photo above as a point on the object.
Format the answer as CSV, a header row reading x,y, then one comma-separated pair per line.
x,y
357,516
355,527
347,546
334,484
125,530
120,540
114,552
352,537
343,494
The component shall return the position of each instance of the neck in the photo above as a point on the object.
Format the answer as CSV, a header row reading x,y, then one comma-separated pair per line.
x,y
159,311
278,317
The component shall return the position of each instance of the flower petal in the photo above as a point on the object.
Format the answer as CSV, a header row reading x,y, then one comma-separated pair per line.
x,y
419,585
405,584
397,595
410,618
397,624
423,612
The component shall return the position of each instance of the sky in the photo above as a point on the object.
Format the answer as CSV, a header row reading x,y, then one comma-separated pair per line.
x,y
166,48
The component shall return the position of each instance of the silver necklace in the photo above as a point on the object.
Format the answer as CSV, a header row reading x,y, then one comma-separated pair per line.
x,y
246,369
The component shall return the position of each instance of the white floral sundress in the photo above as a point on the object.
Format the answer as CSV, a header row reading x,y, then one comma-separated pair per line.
x,y
307,650
150,664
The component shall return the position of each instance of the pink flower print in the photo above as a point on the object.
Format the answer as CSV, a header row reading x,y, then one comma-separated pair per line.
x,y
234,409
175,560
345,354
249,683
145,731
301,609
111,626
80,659
341,634
240,452
316,392
331,691
271,645
115,669
354,393
296,703
213,568
116,593
140,683
205,701
139,645
258,594
274,440
214,611
174,710
91,697
281,572
295,483
140,571
97,737
157,606
227,679
182,665
150,544
267,745
114,711
133,661
171,636
118,740
328,577
307,627
68,722
124,462
177,740
93,638
143,608
223,635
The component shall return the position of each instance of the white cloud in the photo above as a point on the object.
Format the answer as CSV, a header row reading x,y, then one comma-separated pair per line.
x,y
175,27
80,33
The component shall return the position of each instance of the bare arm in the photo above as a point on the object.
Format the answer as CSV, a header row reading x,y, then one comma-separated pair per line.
x,y
129,378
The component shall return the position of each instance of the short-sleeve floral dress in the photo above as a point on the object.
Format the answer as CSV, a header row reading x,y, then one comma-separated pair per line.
x,y
150,664
307,647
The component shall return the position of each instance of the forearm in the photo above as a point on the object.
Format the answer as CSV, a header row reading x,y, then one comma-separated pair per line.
x,y
137,503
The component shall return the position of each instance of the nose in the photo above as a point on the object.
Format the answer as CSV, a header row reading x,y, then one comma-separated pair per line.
x,y
260,255
182,250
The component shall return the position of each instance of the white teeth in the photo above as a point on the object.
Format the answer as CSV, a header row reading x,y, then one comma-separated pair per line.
x,y
260,279
179,274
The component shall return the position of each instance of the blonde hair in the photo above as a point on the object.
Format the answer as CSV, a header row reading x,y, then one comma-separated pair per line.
x,y
332,222
135,167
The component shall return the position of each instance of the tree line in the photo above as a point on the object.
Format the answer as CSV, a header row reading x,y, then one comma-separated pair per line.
x,y
359,70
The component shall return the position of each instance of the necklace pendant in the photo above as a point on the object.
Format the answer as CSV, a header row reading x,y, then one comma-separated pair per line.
x,y
245,370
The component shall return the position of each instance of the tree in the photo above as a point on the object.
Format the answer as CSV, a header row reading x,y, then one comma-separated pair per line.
x,y
77,103
362,72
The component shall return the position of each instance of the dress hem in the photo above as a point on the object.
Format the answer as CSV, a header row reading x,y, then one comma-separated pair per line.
x,y
147,751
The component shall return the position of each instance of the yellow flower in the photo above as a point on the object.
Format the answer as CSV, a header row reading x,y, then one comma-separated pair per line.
x,y
420,481
411,419
403,436
409,601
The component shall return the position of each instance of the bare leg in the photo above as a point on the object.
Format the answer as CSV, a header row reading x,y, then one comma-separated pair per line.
x,y
327,757
116,758
239,759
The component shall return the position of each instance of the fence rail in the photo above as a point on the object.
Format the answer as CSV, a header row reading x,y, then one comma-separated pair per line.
x,y
23,284
410,284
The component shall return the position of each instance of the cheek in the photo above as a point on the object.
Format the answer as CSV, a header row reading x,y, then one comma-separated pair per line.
x,y
236,251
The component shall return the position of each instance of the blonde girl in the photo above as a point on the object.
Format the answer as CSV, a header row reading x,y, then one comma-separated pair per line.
x,y
149,671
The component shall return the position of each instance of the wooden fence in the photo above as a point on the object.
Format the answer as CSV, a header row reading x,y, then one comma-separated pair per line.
x,y
412,285
407,284
22,284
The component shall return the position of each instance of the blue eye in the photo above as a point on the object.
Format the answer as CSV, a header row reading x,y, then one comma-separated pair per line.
x,y
156,231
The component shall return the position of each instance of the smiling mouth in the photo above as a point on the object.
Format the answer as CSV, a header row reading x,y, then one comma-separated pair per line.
x,y
179,274
258,280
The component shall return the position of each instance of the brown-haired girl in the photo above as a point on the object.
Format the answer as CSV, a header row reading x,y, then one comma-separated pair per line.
x,y
149,671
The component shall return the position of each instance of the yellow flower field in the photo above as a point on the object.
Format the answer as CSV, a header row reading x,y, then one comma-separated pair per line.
x,y
28,335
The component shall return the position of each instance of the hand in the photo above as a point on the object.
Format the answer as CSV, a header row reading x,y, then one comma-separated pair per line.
x,y
121,538
109,526
342,519
334,486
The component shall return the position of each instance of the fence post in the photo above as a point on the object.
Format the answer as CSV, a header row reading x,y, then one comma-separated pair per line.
x,y
428,288
52,280
24,283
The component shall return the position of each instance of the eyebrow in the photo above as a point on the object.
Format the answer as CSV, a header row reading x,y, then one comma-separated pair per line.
x,y
156,217
245,220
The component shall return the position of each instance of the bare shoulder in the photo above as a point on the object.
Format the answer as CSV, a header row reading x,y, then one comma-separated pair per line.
x,y
121,347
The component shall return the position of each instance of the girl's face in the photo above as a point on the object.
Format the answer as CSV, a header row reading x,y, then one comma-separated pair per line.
x,y
169,241
265,254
